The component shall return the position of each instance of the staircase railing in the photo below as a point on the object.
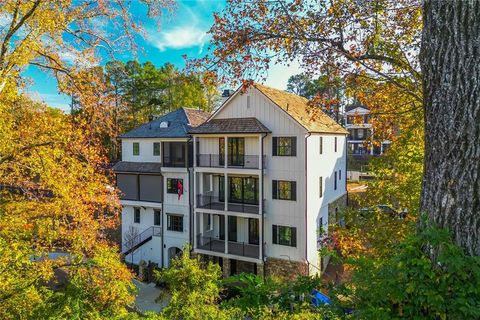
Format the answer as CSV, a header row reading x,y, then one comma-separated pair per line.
x,y
143,237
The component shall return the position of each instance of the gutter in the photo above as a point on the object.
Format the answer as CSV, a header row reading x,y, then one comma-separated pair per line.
x,y
263,210
306,201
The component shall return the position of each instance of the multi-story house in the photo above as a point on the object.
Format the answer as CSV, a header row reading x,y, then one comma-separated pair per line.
x,y
155,179
269,176
360,132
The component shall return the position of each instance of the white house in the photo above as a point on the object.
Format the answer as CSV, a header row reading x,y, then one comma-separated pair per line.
x,y
270,173
260,179
360,132
154,177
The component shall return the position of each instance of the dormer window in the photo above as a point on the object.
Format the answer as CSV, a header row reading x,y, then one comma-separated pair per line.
x,y
164,124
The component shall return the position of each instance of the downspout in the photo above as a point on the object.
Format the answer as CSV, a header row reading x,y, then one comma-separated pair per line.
x,y
346,166
306,202
163,232
263,209
190,196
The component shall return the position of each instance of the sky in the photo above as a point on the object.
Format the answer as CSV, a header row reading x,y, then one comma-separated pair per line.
x,y
182,33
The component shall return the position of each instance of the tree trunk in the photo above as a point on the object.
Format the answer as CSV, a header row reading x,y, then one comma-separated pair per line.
x,y
450,59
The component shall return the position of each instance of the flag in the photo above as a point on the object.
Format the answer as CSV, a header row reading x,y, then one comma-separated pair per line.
x,y
179,188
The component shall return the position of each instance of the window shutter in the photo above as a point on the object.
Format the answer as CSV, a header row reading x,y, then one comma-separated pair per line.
x,y
274,189
294,237
274,234
274,146
293,186
294,146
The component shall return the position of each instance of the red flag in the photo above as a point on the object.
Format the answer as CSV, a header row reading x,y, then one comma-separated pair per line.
x,y
180,189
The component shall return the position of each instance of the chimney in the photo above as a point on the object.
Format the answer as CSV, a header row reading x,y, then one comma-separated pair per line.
x,y
226,93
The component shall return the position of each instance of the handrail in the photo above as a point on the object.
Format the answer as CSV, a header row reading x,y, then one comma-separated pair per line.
x,y
144,235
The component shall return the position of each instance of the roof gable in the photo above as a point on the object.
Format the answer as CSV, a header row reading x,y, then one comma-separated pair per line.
x,y
312,119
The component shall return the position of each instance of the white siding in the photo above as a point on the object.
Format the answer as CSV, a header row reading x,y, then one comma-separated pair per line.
x,y
278,212
323,165
146,150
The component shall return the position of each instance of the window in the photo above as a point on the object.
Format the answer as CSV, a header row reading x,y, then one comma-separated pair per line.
x,y
360,133
321,145
156,217
286,236
156,148
335,144
136,148
339,174
174,222
284,190
284,146
172,185
320,189
136,215
335,181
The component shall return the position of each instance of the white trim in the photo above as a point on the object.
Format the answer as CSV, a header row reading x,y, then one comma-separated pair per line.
x,y
147,204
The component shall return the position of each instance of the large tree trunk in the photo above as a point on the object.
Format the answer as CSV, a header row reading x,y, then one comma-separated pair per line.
x,y
450,60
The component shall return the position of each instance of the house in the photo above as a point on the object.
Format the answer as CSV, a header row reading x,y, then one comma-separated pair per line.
x,y
269,176
155,179
253,187
360,132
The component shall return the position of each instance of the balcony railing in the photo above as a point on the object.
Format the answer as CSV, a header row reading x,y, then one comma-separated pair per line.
x,y
233,161
214,203
241,249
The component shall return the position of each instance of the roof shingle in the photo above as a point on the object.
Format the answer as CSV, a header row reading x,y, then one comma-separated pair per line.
x,y
312,119
138,167
179,121
231,125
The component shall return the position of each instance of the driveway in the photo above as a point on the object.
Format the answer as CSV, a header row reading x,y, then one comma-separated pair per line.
x,y
147,298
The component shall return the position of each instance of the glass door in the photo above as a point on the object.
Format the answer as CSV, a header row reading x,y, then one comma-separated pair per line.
x,y
236,152
232,229
253,231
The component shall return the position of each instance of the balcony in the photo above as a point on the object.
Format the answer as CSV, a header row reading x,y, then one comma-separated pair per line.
x,y
233,161
241,249
216,203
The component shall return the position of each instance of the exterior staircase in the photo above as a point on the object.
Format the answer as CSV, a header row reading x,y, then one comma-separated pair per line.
x,y
143,238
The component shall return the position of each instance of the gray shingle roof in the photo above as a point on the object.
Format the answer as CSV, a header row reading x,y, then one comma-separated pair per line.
x,y
179,121
138,167
231,125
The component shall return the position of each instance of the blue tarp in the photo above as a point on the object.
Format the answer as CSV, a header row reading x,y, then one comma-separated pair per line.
x,y
320,299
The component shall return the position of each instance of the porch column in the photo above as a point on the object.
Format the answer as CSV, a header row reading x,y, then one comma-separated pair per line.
x,y
225,140
225,192
260,155
195,151
226,234
195,240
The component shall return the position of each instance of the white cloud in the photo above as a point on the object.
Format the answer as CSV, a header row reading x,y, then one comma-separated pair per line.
x,y
179,38
278,74
59,101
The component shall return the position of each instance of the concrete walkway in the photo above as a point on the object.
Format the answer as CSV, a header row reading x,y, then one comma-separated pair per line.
x,y
147,298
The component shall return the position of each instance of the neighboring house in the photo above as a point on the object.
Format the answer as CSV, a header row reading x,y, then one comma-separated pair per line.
x,y
269,175
155,178
360,132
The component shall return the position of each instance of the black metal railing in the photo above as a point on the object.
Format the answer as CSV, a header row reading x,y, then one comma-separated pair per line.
x,y
241,249
217,203
209,160
143,237
233,161
210,243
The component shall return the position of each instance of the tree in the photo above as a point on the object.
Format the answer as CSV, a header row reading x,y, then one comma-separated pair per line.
x,y
62,37
451,68
194,290
55,197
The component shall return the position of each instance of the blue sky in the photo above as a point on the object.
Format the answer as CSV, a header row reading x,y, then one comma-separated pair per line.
x,y
183,32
